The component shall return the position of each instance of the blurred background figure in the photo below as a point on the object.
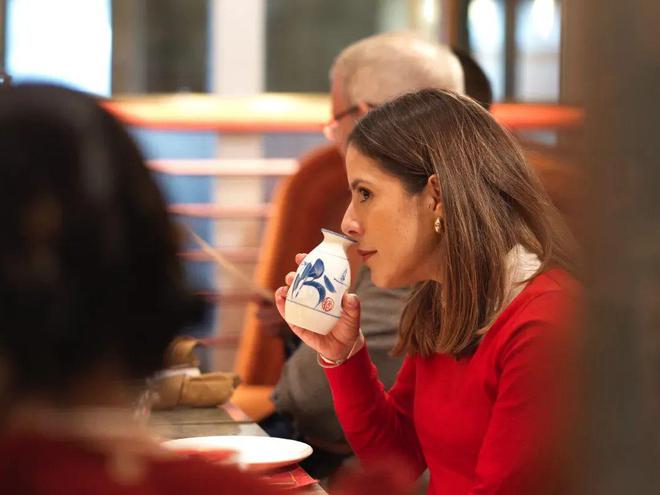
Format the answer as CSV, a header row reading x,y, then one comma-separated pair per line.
x,y
369,73
91,292
477,85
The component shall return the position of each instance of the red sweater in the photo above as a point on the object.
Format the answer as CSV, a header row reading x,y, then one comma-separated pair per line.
x,y
482,424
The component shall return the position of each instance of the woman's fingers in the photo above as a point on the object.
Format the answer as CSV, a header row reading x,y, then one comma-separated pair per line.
x,y
299,257
288,278
310,338
280,299
337,343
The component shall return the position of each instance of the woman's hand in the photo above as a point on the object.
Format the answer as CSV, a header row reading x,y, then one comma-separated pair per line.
x,y
340,340
270,321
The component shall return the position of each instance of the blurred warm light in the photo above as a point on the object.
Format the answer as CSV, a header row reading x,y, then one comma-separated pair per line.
x,y
543,17
267,112
288,112
429,11
483,15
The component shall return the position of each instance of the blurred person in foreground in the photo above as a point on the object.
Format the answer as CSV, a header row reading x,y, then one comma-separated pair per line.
x,y
364,75
443,200
91,293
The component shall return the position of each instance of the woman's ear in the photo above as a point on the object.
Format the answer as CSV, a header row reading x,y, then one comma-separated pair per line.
x,y
435,195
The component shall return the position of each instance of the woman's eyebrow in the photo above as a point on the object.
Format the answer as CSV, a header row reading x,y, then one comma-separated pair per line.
x,y
355,183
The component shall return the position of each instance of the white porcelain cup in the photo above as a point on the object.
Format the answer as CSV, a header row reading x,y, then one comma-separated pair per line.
x,y
313,301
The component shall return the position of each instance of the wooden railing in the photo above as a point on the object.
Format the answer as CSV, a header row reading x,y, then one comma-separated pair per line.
x,y
268,113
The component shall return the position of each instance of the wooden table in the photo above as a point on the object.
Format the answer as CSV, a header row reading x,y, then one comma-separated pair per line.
x,y
227,419
200,422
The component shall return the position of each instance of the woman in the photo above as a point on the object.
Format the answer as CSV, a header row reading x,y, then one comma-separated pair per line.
x,y
91,293
442,198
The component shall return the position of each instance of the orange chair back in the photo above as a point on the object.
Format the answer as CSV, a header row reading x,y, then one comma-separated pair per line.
x,y
315,196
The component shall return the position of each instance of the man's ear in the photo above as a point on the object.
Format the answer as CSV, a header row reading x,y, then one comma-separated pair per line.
x,y
363,108
435,195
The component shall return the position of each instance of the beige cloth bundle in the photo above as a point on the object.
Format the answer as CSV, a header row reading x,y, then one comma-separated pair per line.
x,y
181,384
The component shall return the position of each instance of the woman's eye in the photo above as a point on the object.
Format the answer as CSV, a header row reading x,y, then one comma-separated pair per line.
x,y
363,194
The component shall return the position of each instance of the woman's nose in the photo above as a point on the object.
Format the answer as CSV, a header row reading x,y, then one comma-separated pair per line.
x,y
349,224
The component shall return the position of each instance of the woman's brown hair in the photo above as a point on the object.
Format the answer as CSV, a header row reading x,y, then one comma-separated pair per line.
x,y
491,201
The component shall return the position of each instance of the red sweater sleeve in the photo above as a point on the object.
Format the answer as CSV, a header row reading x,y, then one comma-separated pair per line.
x,y
531,409
378,424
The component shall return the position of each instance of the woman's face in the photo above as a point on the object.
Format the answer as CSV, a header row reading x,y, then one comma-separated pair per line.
x,y
393,228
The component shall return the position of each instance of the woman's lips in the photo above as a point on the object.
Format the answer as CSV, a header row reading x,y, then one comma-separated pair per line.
x,y
366,254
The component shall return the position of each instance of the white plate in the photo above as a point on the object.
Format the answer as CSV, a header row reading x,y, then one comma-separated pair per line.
x,y
255,453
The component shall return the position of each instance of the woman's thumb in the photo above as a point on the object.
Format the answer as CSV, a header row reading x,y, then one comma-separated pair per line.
x,y
351,307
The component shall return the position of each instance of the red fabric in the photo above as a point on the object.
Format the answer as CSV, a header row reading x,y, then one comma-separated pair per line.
x,y
32,465
484,424
35,465
289,478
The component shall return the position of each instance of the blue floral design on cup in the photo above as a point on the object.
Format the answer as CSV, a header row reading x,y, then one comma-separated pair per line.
x,y
309,277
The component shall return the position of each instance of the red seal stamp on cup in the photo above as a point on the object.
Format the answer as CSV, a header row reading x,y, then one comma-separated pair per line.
x,y
328,304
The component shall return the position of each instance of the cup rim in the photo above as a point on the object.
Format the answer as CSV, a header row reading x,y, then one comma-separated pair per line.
x,y
328,231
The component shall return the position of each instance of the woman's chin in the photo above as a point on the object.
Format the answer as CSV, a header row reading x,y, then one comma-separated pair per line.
x,y
377,279
383,281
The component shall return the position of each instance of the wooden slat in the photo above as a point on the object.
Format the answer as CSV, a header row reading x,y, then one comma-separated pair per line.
x,y
267,112
230,268
522,116
265,167
229,296
281,112
209,210
237,255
